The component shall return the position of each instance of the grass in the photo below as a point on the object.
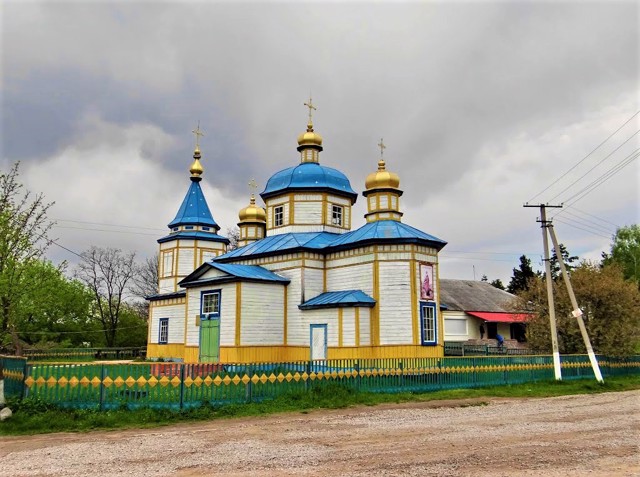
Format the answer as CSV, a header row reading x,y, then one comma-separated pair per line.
x,y
38,417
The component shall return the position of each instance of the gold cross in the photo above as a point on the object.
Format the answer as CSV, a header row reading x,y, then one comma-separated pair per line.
x,y
382,147
198,133
311,107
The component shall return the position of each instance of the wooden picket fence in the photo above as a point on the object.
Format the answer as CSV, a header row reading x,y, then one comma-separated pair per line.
x,y
180,385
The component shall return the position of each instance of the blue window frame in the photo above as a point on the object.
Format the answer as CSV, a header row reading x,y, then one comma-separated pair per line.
x,y
163,331
210,304
188,227
428,324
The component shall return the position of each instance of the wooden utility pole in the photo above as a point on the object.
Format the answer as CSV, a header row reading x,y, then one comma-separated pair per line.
x,y
577,312
552,311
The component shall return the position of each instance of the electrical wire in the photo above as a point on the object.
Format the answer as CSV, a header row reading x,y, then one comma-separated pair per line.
x,y
584,158
597,164
602,179
581,228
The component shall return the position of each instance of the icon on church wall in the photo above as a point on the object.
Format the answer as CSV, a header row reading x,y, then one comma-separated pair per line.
x,y
427,284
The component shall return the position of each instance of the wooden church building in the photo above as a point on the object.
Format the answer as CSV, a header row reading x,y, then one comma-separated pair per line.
x,y
304,283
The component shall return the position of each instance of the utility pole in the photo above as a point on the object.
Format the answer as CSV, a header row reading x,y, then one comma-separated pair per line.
x,y
547,266
577,312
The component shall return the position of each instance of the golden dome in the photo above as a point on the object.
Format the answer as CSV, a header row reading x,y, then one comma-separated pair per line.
x,y
252,212
309,138
196,168
382,179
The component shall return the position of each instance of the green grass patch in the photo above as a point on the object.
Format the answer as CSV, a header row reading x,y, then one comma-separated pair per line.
x,y
38,417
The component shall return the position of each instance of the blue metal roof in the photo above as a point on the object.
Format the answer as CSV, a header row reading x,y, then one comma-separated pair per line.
x,y
234,272
197,235
309,176
381,231
194,209
283,243
339,299
386,230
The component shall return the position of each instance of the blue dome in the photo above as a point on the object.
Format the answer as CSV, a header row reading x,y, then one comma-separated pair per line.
x,y
309,176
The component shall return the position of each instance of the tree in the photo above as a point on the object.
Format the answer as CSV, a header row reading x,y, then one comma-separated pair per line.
x,y
611,308
566,257
24,227
497,283
625,251
484,278
55,311
108,273
233,234
521,276
145,283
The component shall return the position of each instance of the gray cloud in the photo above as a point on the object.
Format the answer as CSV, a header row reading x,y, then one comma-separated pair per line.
x,y
473,99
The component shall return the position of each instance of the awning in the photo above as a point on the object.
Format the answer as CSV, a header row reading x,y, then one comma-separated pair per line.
x,y
497,317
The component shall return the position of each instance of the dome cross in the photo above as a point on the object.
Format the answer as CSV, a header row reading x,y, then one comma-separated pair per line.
x,y
311,109
198,133
382,147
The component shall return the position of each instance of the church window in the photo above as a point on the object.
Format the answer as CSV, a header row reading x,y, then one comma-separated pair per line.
x,y
188,227
336,215
175,229
211,304
167,264
206,228
278,213
163,337
428,324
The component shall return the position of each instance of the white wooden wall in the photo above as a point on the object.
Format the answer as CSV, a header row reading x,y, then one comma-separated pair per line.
x,y
175,313
227,313
262,314
395,303
354,277
365,326
348,327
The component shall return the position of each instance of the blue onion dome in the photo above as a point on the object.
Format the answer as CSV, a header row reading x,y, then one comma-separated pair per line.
x,y
309,176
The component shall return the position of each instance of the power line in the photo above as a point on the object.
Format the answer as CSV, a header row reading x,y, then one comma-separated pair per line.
x,y
597,164
585,157
108,225
581,228
103,230
603,178
575,209
589,223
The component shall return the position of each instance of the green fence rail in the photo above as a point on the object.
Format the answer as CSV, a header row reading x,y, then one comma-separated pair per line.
x,y
84,354
179,385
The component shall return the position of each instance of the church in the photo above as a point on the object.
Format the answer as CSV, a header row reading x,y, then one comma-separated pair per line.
x,y
304,283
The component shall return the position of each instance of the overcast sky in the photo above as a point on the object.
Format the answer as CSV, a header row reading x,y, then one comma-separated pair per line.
x,y
482,106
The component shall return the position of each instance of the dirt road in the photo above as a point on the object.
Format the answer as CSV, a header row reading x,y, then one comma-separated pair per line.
x,y
567,436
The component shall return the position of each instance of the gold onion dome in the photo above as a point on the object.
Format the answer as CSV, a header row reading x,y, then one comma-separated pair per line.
x,y
252,212
382,179
309,137
196,168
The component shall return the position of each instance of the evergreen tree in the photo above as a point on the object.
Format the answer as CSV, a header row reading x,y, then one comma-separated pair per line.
x,y
497,283
566,258
521,276
484,278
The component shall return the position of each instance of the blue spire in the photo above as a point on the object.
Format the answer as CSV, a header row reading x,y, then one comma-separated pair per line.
x,y
194,209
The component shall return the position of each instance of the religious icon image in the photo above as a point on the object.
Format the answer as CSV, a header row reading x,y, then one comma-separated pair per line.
x,y
427,284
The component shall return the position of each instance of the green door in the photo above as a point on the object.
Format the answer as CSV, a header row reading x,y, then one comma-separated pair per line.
x,y
210,341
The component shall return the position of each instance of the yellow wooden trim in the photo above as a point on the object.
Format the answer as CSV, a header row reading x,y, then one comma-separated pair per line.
x,y
415,329
324,210
292,217
238,312
385,351
172,302
375,311
324,277
286,306
438,312
340,327
186,317
149,322
357,325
